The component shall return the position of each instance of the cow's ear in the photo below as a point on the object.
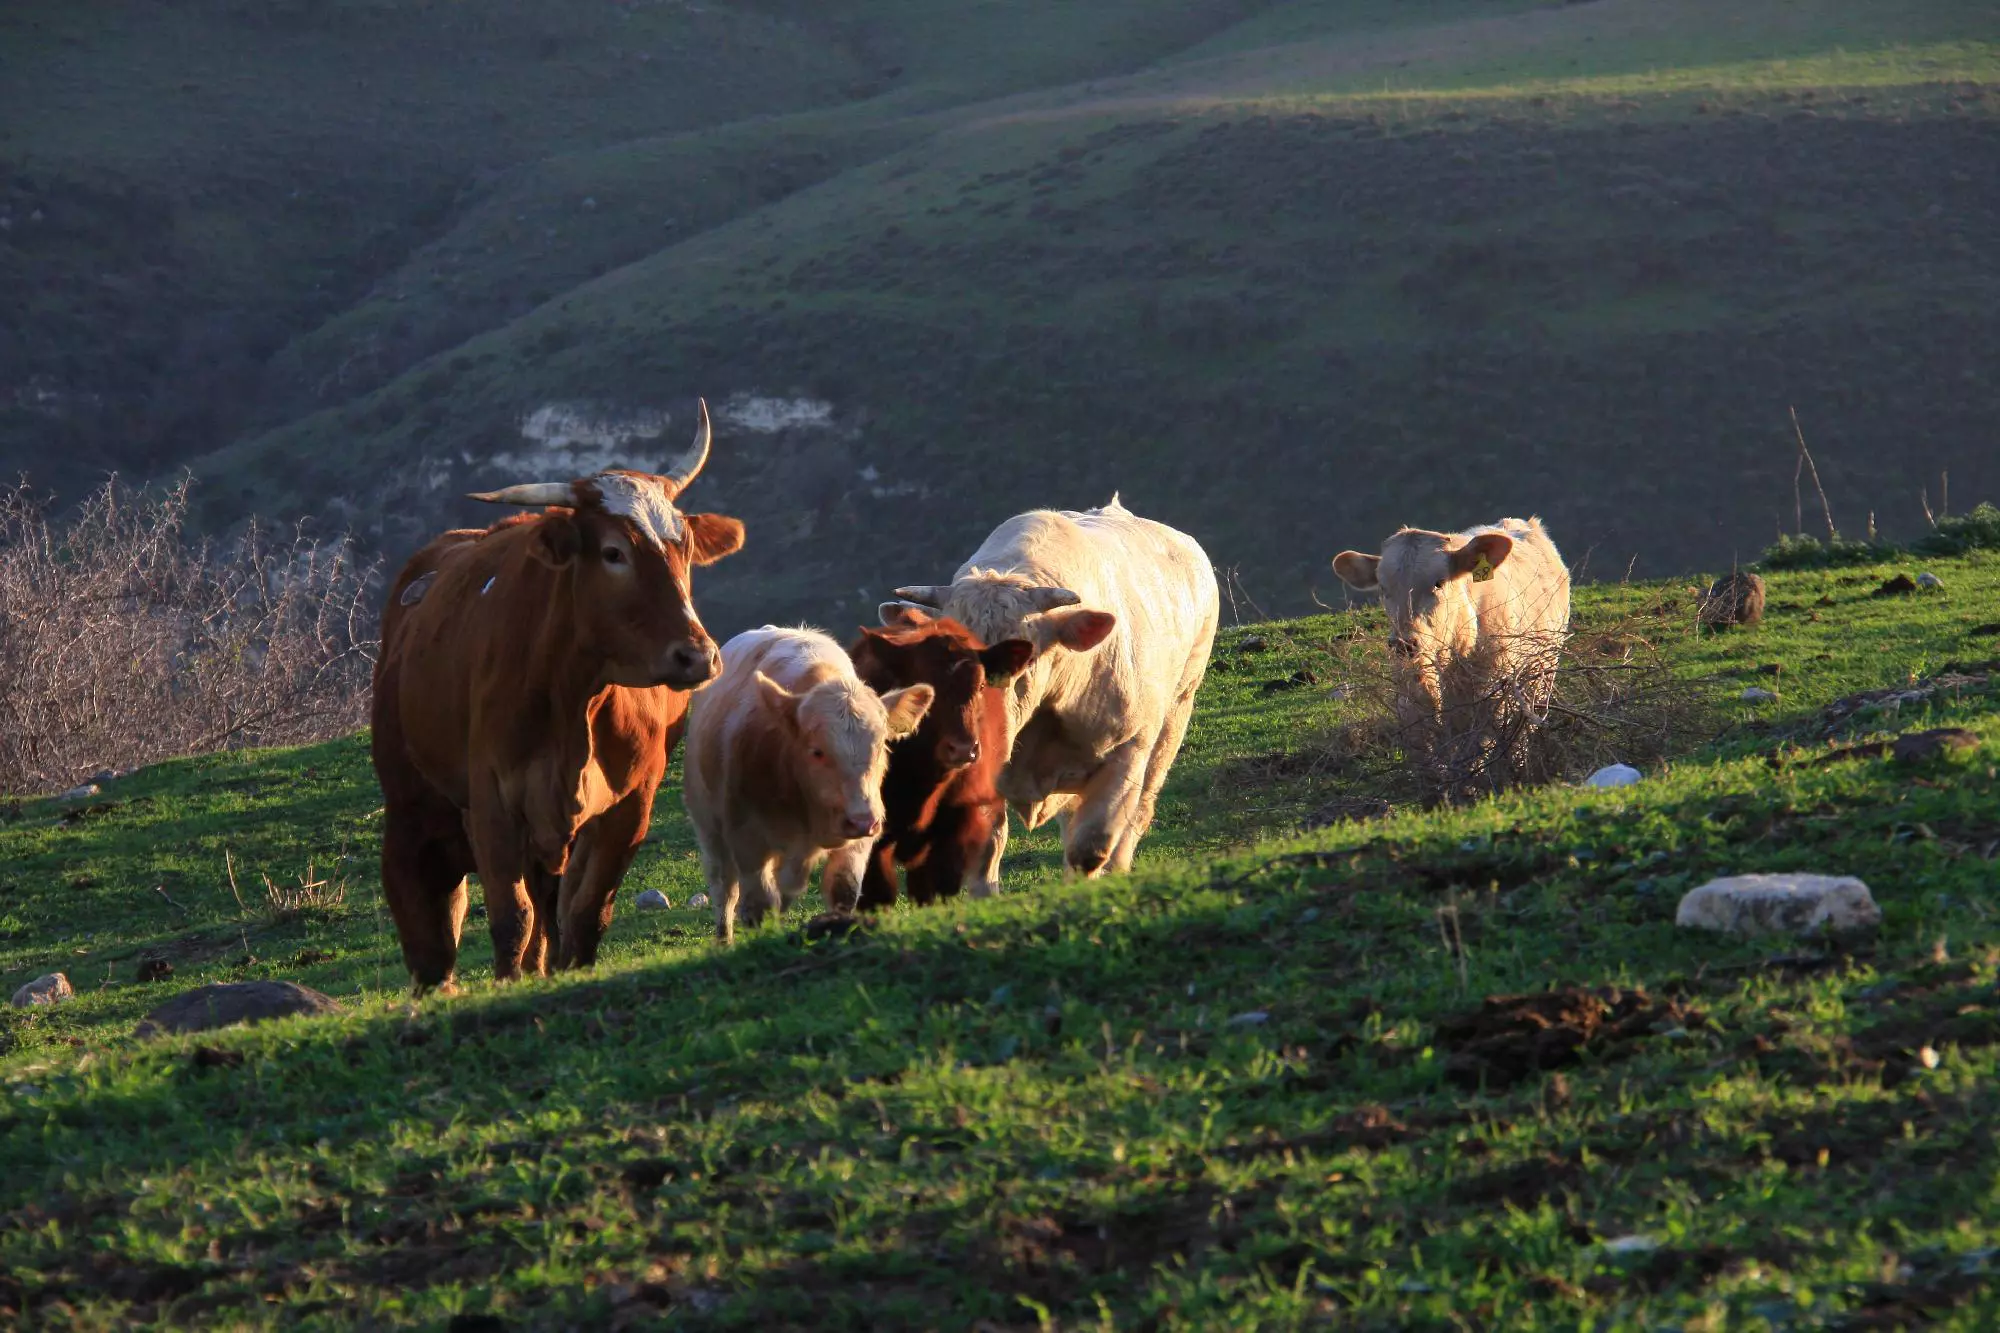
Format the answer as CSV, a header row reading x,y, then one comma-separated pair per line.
x,y
712,536
868,653
903,615
1079,629
907,707
781,701
557,539
1482,555
1005,658
1359,572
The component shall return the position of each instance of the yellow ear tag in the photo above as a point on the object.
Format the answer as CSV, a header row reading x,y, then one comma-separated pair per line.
x,y
1482,570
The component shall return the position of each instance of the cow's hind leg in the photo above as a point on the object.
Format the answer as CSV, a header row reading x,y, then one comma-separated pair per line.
x,y
423,881
1158,764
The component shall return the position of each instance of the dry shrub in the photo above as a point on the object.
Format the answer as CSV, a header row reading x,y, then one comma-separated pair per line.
x,y
123,641
1616,700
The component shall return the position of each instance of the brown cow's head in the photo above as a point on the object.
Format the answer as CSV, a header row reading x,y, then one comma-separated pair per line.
x,y
947,656
628,553
1425,580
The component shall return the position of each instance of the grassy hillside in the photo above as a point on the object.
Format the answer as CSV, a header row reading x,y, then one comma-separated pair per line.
x,y
1576,259
1257,1083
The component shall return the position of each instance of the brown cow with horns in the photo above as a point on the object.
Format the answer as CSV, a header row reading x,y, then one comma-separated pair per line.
x,y
532,682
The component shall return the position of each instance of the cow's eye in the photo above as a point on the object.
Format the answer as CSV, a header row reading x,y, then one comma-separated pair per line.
x,y
613,556
1438,586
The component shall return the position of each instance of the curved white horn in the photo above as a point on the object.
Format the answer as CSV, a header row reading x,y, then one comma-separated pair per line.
x,y
683,472
1048,599
931,595
529,493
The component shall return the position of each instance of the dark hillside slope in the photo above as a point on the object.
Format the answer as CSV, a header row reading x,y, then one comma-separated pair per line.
x,y
1286,333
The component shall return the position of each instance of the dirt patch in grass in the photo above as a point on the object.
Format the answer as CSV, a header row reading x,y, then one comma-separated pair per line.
x,y
1524,1184
1511,1038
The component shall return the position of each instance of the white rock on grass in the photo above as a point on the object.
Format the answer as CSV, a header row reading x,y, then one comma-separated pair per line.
x,y
1780,904
1754,695
1929,580
51,989
1613,775
700,900
654,898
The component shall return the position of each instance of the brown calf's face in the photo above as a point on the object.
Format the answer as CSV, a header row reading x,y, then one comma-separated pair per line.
x,y
945,655
633,601
1424,579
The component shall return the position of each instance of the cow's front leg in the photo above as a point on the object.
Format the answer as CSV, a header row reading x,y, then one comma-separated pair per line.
x,y
1109,805
847,867
603,853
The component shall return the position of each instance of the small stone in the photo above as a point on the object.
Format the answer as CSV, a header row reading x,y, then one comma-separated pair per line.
x,y
84,792
1613,775
1255,643
51,989
1756,695
1254,1019
700,900
1929,580
1630,1245
1928,1057
653,898
218,1006
1788,903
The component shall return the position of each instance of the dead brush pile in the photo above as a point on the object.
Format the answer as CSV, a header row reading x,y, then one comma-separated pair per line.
x,y
1616,700
123,641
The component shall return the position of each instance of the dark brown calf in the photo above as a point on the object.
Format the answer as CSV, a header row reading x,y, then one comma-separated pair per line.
x,y
940,806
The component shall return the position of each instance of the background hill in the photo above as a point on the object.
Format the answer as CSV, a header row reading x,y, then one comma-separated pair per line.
x,y
1286,274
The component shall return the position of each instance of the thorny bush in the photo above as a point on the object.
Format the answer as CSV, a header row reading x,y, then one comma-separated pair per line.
x,y
124,641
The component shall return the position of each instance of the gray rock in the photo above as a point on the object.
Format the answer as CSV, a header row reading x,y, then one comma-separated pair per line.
x,y
1929,580
1780,904
81,793
207,1007
51,989
1613,775
654,898
1754,695
1256,1018
700,900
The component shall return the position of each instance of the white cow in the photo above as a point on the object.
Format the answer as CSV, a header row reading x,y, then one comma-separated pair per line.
x,y
783,763
1122,612
1477,618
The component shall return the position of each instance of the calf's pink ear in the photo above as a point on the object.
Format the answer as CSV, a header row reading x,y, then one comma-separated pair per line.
x,y
1488,547
907,707
1080,630
1358,571
779,700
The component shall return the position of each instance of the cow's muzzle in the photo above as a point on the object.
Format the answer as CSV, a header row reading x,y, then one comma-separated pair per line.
x,y
689,665
956,753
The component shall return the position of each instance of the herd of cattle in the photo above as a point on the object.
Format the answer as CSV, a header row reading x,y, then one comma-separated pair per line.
x,y
536,675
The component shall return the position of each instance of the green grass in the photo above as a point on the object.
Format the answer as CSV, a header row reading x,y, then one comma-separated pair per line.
x,y
1046,1109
